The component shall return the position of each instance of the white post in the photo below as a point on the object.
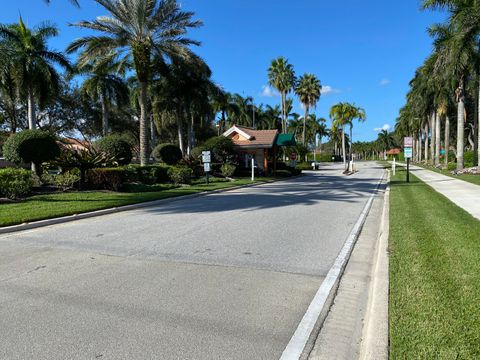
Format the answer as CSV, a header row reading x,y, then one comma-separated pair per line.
x,y
253,167
393,167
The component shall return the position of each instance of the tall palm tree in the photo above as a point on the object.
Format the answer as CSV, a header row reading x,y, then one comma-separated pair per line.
x,y
105,83
308,90
140,30
33,64
386,140
343,114
282,77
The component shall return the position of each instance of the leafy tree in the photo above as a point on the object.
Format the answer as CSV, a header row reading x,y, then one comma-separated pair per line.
x,y
33,146
117,147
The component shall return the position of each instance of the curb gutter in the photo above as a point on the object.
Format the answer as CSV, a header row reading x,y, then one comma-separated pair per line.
x,y
303,339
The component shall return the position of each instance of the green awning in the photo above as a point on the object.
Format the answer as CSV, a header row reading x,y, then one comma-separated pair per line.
x,y
286,140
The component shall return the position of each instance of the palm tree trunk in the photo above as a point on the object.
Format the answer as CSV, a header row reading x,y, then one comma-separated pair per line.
x,y
343,147
153,131
180,132
304,125
432,137
460,127
284,116
350,147
478,125
437,138
32,121
104,116
447,138
426,141
143,124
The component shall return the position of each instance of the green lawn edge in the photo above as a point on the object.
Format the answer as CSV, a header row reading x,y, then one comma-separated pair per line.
x,y
434,295
42,207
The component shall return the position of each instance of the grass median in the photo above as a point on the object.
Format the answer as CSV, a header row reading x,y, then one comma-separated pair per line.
x,y
434,275
49,206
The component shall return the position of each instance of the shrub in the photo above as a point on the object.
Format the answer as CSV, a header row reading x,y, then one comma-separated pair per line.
x,y
117,147
168,153
106,178
196,152
228,170
151,174
468,158
304,166
15,183
282,173
34,146
451,166
180,175
221,148
64,181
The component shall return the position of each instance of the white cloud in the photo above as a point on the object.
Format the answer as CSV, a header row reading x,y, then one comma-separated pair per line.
x,y
268,91
327,89
384,127
384,82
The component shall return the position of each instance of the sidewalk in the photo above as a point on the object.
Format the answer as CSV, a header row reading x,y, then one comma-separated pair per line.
x,y
464,194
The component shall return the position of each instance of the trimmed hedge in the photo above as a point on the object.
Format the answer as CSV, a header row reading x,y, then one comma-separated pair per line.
x,y
150,174
15,183
168,153
117,147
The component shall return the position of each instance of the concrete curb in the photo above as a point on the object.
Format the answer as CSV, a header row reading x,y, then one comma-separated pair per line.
x,y
90,214
303,340
375,344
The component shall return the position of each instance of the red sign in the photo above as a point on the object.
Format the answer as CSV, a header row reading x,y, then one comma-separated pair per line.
x,y
293,156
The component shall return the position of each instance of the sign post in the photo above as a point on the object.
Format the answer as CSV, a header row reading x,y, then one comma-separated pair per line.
x,y
206,159
293,158
408,152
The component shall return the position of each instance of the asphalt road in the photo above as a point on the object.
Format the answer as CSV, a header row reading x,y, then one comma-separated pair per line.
x,y
223,276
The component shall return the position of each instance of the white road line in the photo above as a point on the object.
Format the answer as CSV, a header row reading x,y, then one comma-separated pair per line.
x,y
296,346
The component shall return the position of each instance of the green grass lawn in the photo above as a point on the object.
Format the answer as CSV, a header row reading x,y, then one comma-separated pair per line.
x,y
434,275
55,205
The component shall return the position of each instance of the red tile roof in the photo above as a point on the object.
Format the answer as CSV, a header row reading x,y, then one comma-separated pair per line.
x,y
259,138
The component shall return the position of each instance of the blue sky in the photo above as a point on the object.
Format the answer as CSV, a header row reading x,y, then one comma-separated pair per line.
x,y
363,51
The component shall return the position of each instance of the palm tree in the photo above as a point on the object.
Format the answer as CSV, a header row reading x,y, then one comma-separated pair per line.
x,y
142,31
386,140
308,91
343,114
33,64
282,77
105,83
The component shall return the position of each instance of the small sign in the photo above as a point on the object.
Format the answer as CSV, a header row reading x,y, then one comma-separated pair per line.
x,y
408,152
293,156
206,157
206,167
408,142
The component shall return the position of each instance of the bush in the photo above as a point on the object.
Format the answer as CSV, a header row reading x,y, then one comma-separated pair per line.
x,y
468,158
304,166
282,173
106,178
228,170
196,152
168,153
117,147
221,148
34,146
15,183
451,166
180,175
64,181
151,174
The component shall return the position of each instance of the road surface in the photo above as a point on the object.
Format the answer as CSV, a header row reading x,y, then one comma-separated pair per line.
x,y
223,276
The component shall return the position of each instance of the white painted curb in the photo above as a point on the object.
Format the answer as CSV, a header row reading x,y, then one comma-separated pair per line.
x,y
318,308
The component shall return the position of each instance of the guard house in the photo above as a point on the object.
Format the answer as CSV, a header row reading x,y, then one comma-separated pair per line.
x,y
261,144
